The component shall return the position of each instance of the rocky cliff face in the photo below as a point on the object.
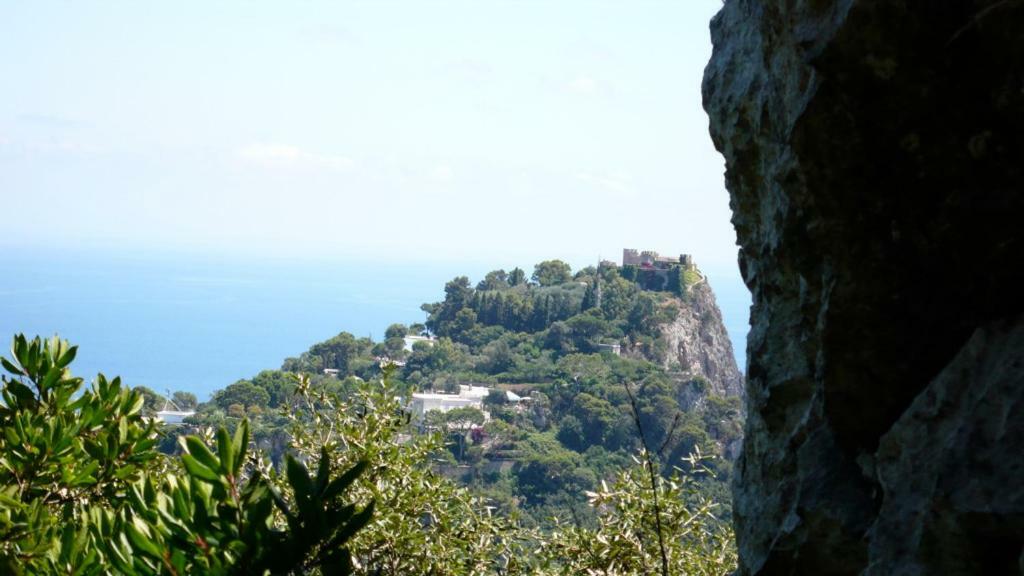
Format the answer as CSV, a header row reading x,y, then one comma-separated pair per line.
x,y
698,344
875,163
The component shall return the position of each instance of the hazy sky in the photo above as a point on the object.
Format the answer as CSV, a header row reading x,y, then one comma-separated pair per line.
x,y
478,130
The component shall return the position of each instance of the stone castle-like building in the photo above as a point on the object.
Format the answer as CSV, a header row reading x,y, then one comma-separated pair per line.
x,y
651,259
653,271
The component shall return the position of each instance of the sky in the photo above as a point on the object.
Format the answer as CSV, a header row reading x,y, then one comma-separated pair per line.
x,y
480,130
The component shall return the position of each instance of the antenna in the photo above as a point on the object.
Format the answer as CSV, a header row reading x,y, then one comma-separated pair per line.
x,y
167,399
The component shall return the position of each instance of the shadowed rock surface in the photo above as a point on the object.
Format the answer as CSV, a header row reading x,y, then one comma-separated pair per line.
x,y
875,162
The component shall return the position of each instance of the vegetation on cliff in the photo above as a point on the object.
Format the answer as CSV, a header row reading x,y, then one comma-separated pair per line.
x,y
571,344
587,466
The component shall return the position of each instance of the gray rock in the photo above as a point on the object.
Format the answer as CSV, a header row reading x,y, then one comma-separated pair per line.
x,y
698,344
953,494
875,166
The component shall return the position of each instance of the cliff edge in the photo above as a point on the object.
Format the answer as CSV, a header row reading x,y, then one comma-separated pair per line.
x,y
698,344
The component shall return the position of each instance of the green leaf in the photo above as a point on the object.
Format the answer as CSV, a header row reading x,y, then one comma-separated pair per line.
x,y
124,472
85,475
201,453
23,393
136,406
298,478
227,458
352,526
11,367
52,375
141,542
342,482
67,357
198,470
323,471
240,444
280,501
31,358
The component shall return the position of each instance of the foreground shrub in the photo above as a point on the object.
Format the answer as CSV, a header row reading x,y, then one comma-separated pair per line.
x,y
83,490
425,524
669,529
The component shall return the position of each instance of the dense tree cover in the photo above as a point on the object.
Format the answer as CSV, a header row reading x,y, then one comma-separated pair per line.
x,y
551,273
432,525
83,491
426,524
184,400
466,491
549,340
474,316
344,352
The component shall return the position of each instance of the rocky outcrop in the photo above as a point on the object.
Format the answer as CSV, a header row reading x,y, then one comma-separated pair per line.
x,y
875,164
951,467
698,343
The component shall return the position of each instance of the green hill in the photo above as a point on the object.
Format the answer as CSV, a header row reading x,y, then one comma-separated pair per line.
x,y
598,354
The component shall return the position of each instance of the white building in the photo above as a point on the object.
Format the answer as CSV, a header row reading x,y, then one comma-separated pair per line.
x,y
410,340
173,416
468,396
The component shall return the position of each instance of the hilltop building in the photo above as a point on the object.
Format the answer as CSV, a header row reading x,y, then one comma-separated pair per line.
x,y
652,271
651,259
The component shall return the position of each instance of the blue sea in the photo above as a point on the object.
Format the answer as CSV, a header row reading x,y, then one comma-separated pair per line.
x,y
199,323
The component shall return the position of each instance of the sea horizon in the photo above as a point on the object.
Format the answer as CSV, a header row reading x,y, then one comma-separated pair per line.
x,y
199,322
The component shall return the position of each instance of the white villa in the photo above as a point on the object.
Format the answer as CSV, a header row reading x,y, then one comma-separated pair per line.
x,y
471,396
174,416
410,340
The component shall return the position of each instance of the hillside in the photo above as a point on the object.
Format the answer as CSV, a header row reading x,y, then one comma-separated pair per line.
x,y
588,356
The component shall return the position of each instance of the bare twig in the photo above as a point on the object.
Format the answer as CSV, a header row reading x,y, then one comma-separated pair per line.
x,y
579,526
981,15
668,437
653,478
